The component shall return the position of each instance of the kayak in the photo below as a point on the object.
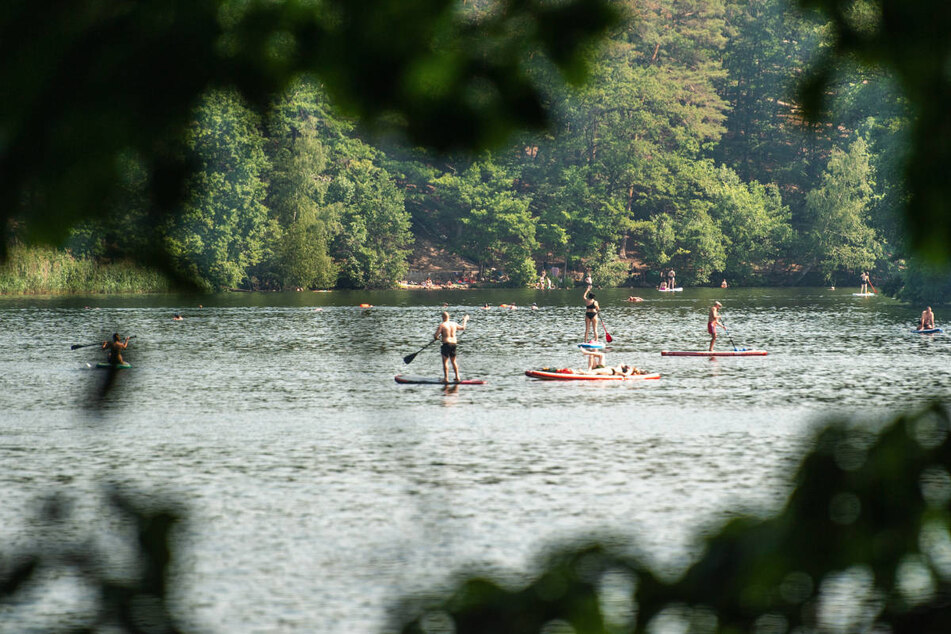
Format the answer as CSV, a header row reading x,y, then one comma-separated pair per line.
x,y
569,375
119,366
716,353
591,345
431,380
863,294
671,290
928,331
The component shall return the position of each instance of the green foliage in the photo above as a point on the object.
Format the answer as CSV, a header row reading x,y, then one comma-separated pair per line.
x,y
375,237
220,232
869,519
90,83
910,41
839,237
924,284
42,271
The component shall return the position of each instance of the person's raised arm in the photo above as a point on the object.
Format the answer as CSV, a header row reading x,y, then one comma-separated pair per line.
x,y
465,320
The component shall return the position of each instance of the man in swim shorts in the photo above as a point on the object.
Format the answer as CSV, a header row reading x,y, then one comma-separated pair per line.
x,y
447,331
927,319
713,320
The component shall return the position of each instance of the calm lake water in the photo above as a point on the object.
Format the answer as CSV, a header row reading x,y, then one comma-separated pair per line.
x,y
318,490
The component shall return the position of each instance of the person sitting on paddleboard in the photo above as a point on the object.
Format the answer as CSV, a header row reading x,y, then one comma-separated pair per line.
x,y
713,320
447,331
723,284
863,278
927,320
115,348
591,310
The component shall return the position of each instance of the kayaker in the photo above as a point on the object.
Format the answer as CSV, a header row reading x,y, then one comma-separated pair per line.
x,y
447,331
591,310
115,348
713,320
927,319
863,278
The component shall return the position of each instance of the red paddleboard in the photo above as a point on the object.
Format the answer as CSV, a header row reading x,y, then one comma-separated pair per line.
x,y
550,375
431,380
720,353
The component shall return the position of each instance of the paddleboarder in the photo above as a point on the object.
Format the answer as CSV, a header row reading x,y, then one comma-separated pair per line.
x,y
591,310
446,331
927,320
115,348
671,279
713,320
863,278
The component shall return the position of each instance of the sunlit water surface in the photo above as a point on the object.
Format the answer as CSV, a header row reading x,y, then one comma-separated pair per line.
x,y
318,490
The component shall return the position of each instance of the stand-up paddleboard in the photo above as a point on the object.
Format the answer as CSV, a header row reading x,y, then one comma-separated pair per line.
x,y
671,290
118,366
591,345
863,294
431,380
928,331
716,353
569,375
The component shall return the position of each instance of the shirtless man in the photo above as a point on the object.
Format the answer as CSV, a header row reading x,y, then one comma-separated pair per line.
x,y
927,319
713,320
447,332
115,348
863,278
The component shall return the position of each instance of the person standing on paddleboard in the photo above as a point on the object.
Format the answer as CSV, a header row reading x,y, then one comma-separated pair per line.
x,y
115,348
863,278
591,310
713,320
671,280
447,331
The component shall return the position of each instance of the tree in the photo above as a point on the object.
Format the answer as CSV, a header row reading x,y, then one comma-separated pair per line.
x,y
839,237
220,233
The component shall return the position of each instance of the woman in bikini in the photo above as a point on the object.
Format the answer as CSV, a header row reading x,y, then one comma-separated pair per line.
x,y
591,310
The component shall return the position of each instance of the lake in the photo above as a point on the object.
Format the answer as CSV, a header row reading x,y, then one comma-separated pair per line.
x,y
318,490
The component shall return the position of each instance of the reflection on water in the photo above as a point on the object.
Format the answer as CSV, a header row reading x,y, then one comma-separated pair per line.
x,y
319,488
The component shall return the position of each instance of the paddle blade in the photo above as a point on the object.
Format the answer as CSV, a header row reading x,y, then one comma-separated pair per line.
x,y
608,337
409,358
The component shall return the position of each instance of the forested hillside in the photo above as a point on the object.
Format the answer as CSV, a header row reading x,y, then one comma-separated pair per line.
x,y
685,150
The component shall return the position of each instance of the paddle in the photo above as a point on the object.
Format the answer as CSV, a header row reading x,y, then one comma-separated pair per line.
x,y
77,346
409,358
607,335
871,287
729,336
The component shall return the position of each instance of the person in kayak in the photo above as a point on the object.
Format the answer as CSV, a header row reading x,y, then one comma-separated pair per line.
x,y
591,310
447,331
115,348
927,319
863,278
713,320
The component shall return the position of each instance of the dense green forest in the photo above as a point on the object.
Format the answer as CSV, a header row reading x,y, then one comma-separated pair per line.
x,y
686,150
